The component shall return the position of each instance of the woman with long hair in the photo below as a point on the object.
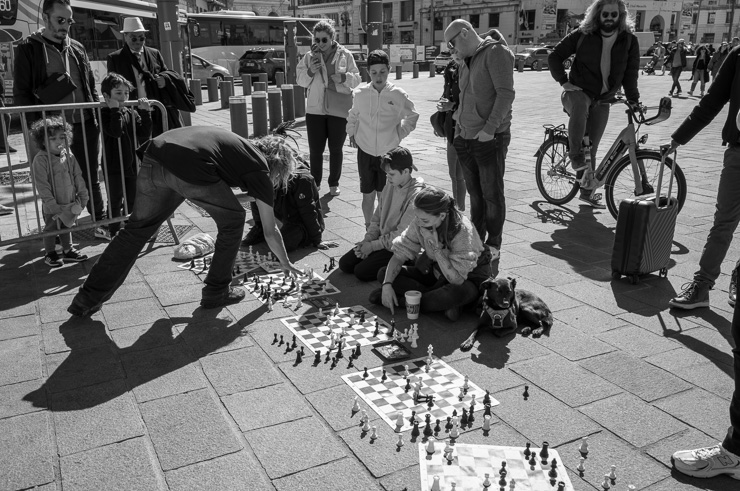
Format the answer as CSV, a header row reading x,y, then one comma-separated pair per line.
x,y
450,270
329,72
699,73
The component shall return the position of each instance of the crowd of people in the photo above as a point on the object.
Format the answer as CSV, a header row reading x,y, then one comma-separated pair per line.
x,y
416,235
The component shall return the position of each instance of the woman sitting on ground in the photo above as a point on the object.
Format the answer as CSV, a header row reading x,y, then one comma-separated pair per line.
x,y
453,265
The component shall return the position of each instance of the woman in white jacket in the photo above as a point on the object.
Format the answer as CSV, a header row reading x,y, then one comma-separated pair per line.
x,y
329,72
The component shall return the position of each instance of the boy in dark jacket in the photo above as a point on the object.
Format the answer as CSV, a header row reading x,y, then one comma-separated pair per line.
x,y
124,129
296,200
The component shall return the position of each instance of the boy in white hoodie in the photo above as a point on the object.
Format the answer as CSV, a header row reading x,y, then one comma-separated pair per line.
x,y
394,213
381,116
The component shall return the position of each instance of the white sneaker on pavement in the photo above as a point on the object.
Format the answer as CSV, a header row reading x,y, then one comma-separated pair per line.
x,y
707,462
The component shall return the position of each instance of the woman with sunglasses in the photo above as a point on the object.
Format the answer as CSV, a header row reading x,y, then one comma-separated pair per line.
x,y
329,72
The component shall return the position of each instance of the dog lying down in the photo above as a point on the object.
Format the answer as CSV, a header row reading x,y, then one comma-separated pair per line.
x,y
503,307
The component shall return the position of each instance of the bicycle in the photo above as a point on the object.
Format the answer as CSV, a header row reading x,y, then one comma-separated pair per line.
x,y
625,171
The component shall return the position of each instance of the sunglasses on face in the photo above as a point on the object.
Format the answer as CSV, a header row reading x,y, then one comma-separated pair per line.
x,y
321,40
613,15
450,43
137,38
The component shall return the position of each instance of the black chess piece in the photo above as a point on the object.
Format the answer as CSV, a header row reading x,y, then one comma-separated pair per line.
x,y
328,355
365,374
295,343
275,340
526,392
358,351
449,424
377,330
384,377
333,362
464,417
412,419
325,270
471,417
487,397
527,451
298,356
428,429
281,340
415,431
430,401
317,357
437,428
544,453
362,317
351,363
408,385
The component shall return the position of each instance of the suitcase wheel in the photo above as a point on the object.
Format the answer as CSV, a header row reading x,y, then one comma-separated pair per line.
x,y
634,279
616,275
663,272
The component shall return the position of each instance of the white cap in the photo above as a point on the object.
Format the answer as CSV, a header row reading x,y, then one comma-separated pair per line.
x,y
133,24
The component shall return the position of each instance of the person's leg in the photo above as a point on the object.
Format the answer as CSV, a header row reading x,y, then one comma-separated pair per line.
x,y
731,442
490,157
694,80
448,296
366,168
577,104
65,238
349,262
679,70
367,269
294,236
316,132
410,278
597,120
337,132
115,195
675,74
702,80
50,225
456,177
472,182
86,147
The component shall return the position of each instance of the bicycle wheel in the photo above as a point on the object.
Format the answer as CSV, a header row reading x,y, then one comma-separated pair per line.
x,y
556,180
620,183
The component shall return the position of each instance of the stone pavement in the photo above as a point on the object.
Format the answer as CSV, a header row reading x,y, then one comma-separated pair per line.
x,y
155,393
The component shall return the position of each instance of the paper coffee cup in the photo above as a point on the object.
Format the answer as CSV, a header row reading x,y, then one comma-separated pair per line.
x,y
413,303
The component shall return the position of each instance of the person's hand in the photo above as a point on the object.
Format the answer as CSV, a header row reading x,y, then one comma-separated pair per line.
x,y
669,147
482,136
337,77
389,297
431,241
111,102
444,105
567,86
290,270
352,142
160,81
366,248
144,104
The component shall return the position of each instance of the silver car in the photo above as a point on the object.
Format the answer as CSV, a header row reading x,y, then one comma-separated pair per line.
x,y
204,69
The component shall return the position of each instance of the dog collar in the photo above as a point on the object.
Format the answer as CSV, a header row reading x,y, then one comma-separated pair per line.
x,y
497,315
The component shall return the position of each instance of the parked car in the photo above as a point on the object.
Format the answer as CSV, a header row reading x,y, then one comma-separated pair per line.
x,y
360,57
204,69
441,61
265,60
533,57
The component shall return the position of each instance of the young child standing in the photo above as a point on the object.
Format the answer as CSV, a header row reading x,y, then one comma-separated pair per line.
x,y
124,129
381,116
59,183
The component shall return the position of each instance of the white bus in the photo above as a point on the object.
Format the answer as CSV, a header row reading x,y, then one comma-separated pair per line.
x,y
223,36
97,26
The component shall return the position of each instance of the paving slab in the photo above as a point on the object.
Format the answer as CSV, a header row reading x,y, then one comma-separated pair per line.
x,y
82,367
572,343
635,375
240,370
636,341
685,440
20,360
330,477
64,336
699,409
19,327
381,456
634,420
132,313
495,352
162,372
306,438
570,383
487,378
26,451
712,377
588,319
145,337
13,400
266,406
239,471
335,406
123,465
188,428
94,416
206,337
131,290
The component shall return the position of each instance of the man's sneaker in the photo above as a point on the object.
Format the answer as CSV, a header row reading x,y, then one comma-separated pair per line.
x,y
102,233
233,295
335,191
670,94
707,462
73,256
733,289
255,236
578,162
495,253
80,310
52,259
693,295
592,199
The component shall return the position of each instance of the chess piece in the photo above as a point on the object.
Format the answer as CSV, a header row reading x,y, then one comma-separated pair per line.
x,y
428,429
399,422
377,330
325,270
553,469
430,401
487,482
295,342
365,374
317,357
461,395
613,473
450,457
526,392
281,340
408,385
384,377
374,434
454,432
366,426
399,444
581,467
487,423
412,419
605,484
275,339
415,430
464,417
527,451
532,461
392,331
448,426
466,384
435,484
357,351
437,428
406,373
487,397
355,405
430,446
561,486
351,363
298,357
333,361
512,484
362,317
584,446
364,417
544,454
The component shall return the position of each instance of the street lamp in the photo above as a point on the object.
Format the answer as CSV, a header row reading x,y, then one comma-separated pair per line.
x,y
346,21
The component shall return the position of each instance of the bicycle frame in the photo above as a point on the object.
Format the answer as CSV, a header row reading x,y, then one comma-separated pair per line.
x,y
626,142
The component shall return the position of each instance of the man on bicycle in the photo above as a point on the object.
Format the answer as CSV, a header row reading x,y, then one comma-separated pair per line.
x,y
607,58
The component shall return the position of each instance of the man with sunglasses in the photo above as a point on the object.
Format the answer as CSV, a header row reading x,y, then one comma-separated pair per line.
x,y
51,51
483,122
141,66
607,58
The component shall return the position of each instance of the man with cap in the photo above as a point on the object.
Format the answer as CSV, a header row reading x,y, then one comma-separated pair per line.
x,y
393,214
51,51
677,59
141,66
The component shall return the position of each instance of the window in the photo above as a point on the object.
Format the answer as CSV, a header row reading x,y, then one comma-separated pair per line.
x,y
407,10
438,25
407,37
387,37
387,13
710,17
707,37
475,20
526,20
694,17
493,20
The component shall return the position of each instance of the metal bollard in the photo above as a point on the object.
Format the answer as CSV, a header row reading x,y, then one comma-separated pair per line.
x,y
259,114
247,84
279,79
539,67
230,79
288,102
399,72
195,89
520,65
299,101
432,70
262,77
212,89
416,70
227,90
275,106
260,87
238,113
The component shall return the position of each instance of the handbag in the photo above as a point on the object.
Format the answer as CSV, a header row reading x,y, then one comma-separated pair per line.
x,y
438,123
56,87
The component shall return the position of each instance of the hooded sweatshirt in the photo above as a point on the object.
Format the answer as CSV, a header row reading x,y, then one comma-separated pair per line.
x,y
380,120
394,214
486,91
324,96
58,180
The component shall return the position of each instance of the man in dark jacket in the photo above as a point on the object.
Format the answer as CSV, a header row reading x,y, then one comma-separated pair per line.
x,y
726,87
51,51
297,205
676,57
607,58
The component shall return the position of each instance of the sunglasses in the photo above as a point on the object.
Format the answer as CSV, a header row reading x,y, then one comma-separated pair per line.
x,y
64,21
450,43
321,40
606,15
137,38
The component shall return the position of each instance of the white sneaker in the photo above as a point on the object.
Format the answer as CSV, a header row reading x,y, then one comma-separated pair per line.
x,y
707,462
102,233
495,253
335,191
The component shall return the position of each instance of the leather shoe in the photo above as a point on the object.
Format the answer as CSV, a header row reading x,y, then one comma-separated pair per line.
x,y
232,296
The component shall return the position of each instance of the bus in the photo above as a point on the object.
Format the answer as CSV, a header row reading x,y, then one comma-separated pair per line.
x,y
97,26
222,37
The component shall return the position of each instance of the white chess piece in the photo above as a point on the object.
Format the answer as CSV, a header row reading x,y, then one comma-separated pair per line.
x,y
581,467
487,423
466,384
435,484
400,440
487,481
613,473
356,405
400,421
454,432
430,446
584,446
406,372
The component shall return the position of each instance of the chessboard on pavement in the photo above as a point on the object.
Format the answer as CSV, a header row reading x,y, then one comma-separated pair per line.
x,y
285,289
244,263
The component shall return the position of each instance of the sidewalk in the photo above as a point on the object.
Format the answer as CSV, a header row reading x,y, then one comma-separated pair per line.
x,y
153,393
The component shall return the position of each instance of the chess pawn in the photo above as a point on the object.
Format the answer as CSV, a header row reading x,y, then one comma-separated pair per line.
x,y
584,446
406,372
455,432
430,446
487,482
435,484
355,406
400,443
581,467
366,426
613,473
399,422
374,434
487,423
364,418
606,484
512,484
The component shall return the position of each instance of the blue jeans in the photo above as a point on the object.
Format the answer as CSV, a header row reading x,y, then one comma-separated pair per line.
x,y
86,147
732,440
726,217
438,294
676,74
483,165
158,194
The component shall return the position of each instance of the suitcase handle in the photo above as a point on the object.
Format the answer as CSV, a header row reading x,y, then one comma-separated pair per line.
x,y
663,155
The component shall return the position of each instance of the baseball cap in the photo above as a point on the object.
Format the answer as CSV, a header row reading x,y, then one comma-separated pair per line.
x,y
399,159
378,57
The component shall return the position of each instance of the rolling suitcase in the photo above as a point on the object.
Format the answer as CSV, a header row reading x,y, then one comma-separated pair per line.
x,y
644,234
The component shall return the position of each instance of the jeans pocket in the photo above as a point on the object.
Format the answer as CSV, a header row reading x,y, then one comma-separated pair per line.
x,y
144,181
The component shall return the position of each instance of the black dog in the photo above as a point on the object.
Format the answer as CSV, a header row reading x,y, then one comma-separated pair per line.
x,y
502,306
